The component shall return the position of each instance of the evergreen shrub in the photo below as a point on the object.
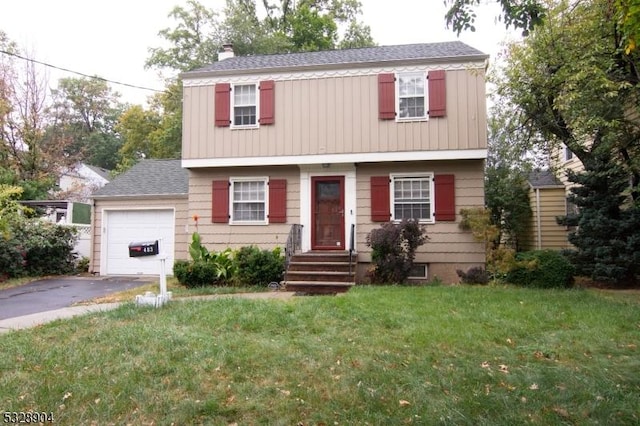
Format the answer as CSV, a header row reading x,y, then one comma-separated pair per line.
x,y
541,269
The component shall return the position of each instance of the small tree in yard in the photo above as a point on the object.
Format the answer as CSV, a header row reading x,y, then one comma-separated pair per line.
x,y
607,238
394,248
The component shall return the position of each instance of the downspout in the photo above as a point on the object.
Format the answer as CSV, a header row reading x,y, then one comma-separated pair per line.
x,y
538,220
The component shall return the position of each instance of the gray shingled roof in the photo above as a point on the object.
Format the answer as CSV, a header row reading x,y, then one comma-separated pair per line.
x,y
326,58
543,178
102,172
148,177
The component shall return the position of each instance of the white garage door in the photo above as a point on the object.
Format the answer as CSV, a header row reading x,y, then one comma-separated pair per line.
x,y
127,226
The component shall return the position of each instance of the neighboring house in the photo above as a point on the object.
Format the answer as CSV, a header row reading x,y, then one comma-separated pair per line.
x,y
548,196
148,202
79,182
67,213
324,143
562,159
548,200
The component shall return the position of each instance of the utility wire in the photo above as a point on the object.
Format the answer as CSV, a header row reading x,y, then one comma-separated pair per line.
x,y
80,73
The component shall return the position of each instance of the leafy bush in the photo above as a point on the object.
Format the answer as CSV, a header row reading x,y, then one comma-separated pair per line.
x,y
475,275
12,259
49,248
206,268
478,221
259,267
394,248
83,264
37,248
195,274
542,269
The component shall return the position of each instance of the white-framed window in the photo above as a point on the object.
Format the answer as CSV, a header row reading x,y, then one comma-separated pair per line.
x,y
412,96
248,199
567,154
244,105
419,271
412,197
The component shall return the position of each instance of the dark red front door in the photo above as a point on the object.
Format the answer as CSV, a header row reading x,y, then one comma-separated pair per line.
x,y
327,211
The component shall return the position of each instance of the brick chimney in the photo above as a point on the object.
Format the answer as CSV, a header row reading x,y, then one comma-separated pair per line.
x,y
227,52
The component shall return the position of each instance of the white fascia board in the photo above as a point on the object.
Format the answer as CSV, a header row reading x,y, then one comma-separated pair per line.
x,y
371,157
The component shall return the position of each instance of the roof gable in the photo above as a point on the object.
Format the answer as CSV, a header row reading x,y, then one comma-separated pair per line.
x,y
148,177
543,179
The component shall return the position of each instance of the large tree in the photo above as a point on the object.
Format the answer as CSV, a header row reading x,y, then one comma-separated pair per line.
x,y
572,82
526,14
85,112
288,26
28,158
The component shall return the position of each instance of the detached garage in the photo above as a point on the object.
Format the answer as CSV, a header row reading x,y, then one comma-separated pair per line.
x,y
148,202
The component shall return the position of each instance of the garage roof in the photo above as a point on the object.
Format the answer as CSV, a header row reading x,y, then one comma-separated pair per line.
x,y
148,177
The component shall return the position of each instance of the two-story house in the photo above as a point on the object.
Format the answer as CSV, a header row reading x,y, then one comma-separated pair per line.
x,y
329,145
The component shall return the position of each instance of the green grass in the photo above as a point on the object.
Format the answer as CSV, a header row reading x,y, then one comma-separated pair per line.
x,y
385,355
178,291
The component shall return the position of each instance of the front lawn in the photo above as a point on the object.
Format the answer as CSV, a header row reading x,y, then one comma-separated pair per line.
x,y
377,355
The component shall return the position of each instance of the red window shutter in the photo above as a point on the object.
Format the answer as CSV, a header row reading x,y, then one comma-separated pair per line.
x,y
386,96
445,198
380,206
220,201
437,93
277,200
267,102
223,105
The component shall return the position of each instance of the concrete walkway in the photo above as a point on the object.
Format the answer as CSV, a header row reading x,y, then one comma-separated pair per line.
x,y
33,320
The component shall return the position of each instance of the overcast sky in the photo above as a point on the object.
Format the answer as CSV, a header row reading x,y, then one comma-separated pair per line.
x,y
111,38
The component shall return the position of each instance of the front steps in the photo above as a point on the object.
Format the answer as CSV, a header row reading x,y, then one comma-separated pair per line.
x,y
321,272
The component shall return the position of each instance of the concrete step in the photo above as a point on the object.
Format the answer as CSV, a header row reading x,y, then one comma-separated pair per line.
x,y
318,287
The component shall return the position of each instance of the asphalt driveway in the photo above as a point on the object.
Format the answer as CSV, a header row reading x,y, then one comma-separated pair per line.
x,y
60,292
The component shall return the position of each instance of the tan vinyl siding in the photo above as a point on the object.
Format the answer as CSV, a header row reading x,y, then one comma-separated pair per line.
x,y
545,233
219,236
448,246
337,115
180,204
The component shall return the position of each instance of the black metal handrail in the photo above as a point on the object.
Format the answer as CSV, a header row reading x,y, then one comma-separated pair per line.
x,y
294,244
352,242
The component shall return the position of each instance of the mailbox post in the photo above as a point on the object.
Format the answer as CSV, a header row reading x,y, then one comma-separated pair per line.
x,y
151,250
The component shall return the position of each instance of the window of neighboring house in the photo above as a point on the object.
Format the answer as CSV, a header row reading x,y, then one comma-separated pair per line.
x,y
412,95
570,210
568,154
245,105
249,200
412,197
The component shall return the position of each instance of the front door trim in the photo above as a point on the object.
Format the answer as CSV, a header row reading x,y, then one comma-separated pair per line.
x,y
316,215
347,170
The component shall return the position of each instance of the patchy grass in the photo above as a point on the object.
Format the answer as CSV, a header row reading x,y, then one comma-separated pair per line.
x,y
178,291
376,355
15,282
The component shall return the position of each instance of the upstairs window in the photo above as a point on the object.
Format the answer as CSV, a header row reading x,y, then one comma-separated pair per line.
x,y
412,197
411,96
245,105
